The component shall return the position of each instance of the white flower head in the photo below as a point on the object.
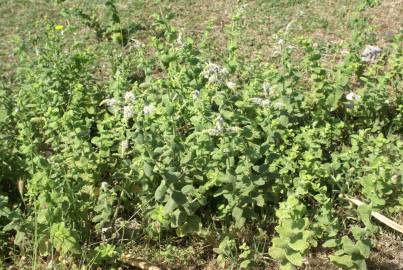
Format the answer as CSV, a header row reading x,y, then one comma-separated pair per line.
x,y
219,123
180,41
124,145
127,112
266,88
233,129
148,109
112,105
137,44
370,54
129,97
104,186
231,85
219,127
288,27
214,132
353,96
214,73
260,101
278,104
196,94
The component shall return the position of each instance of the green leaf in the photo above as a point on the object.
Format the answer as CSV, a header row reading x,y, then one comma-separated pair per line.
x,y
245,264
148,170
299,245
280,242
333,99
3,114
237,212
277,253
365,248
227,114
287,266
295,258
364,211
343,261
193,224
260,201
63,239
348,246
160,191
178,218
283,120
4,210
179,197
170,206
331,243
19,238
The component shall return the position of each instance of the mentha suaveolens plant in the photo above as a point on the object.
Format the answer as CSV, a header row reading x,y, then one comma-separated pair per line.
x,y
190,149
294,237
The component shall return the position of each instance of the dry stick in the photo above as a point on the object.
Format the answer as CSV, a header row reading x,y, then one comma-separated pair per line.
x,y
390,223
138,263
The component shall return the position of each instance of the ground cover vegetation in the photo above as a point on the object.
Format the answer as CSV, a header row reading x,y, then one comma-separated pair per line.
x,y
199,147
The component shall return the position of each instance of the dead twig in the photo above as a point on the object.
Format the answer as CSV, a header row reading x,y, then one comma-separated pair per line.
x,y
388,222
138,263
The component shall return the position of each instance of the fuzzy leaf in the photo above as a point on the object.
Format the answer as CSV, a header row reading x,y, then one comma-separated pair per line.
x,y
342,260
299,245
295,258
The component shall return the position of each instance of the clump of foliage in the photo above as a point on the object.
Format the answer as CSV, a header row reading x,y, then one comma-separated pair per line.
x,y
89,151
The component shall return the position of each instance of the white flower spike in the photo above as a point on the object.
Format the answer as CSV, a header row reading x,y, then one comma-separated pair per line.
x,y
129,97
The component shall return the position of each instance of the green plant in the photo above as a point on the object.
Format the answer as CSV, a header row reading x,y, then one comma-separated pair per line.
x,y
197,142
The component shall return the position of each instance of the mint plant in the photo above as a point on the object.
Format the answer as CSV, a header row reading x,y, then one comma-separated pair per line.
x,y
193,145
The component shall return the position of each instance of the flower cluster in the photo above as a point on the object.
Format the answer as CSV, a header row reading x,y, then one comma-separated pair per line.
x,y
127,112
124,145
233,129
370,54
196,94
231,85
214,73
112,105
148,109
353,96
129,97
261,101
219,127
266,88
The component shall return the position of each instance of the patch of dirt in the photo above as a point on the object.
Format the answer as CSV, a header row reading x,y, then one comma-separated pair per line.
x,y
386,18
387,254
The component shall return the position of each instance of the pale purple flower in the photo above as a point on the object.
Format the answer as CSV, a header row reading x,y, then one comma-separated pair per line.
x,y
214,73
219,127
370,54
